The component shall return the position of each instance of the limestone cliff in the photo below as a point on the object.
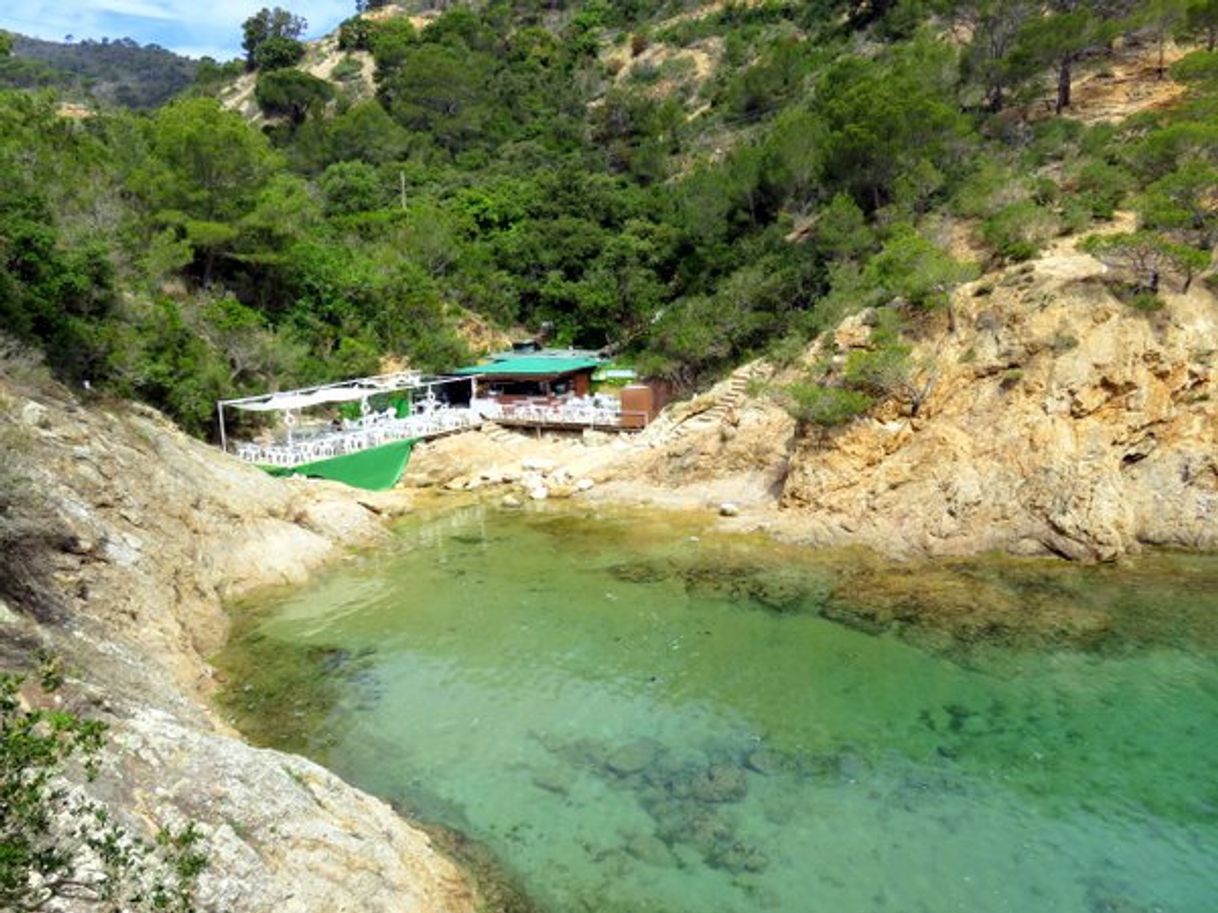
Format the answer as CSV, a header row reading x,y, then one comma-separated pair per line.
x,y
1060,421
145,532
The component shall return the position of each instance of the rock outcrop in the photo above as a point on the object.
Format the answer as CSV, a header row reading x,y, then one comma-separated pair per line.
x,y
1061,421
146,533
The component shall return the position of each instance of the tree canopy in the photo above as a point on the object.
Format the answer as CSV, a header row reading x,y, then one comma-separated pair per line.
x,y
582,166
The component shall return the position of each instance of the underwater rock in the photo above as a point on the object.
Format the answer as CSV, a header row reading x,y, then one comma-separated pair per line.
x,y
558,781
633,757
766,761
584,752
651,850
968,604
511,502
640,572
705,830
773,588
719,783
1103,898
852,767
739,859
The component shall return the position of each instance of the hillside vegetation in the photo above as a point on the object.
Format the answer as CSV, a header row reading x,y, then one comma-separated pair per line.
x,y
690,185
121,72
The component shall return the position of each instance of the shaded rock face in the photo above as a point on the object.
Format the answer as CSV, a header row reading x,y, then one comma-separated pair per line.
x,y
146,534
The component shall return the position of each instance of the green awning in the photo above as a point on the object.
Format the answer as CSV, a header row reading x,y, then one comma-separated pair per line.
x,y
375,469
531,366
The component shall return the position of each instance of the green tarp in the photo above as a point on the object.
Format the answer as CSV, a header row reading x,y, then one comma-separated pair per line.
x,y
375,469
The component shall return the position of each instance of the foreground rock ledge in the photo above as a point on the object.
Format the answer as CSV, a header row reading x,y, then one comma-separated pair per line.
x,y
146,534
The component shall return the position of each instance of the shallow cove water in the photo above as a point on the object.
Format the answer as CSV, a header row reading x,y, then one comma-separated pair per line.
x,y
637,714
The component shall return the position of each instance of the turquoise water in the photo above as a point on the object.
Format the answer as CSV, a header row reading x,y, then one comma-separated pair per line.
x,y
637,715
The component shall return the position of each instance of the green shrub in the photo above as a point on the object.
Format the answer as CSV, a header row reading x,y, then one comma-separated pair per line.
x,y
351,187
1103,187
813,404
1064,342
1146,302
51,834
390,41
1018,231
987,190
346,70
354,34
879,372
644,74
1197,67
1076,214
291,93
277,53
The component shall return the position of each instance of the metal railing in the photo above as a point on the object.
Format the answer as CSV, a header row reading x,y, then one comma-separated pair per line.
x,y
579,412
378,428
361,434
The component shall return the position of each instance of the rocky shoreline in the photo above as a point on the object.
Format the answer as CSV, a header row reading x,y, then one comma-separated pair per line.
x,y
1061,424
146,535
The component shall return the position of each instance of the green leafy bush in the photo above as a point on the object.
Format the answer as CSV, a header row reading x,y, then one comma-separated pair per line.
x,y
1197,67
291,93
1103,187
810,403
346,70
1147,256
57,846
1017,232
355,34
351,187
278,52
1146,302
882,371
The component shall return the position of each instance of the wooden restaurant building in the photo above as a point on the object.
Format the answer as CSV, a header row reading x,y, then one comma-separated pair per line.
x,y
554,388
540,373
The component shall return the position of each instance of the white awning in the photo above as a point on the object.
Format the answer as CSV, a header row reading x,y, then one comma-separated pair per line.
x,y
282,402
345,392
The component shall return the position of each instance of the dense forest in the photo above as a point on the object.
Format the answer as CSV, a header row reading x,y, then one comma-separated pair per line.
x,y
121,72
689,187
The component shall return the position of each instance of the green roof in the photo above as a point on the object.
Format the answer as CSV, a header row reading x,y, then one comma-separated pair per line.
x,y
531,365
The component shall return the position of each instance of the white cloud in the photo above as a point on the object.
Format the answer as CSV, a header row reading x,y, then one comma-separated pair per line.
x,y
134,8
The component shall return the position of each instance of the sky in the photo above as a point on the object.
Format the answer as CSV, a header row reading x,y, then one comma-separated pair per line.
x,y
190,27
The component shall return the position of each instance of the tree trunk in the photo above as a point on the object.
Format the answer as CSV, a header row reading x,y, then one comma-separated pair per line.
x,y
994,100
209,262
1064,85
